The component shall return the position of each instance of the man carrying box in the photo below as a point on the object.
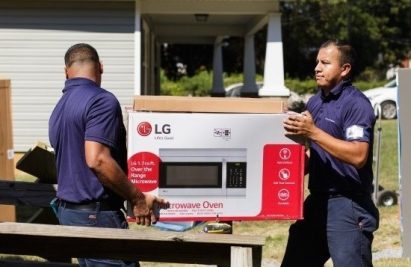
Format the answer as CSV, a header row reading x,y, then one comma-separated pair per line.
x,y
87,133
339,214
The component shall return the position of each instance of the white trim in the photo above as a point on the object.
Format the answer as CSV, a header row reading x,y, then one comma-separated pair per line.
x,y
255,25
213,7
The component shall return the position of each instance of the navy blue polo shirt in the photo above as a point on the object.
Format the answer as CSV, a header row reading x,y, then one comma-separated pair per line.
x,y
345,114
85,112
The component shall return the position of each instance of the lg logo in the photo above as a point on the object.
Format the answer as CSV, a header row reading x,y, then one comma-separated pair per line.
x,y
144,128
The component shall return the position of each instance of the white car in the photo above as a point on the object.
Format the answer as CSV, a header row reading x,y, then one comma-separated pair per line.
x,y
384,99
295,101
234,90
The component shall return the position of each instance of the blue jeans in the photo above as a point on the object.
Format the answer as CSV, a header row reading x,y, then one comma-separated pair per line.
x,y
95,218
341,228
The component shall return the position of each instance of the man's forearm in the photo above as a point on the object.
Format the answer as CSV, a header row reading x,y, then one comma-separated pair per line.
x,y
112,176
351,152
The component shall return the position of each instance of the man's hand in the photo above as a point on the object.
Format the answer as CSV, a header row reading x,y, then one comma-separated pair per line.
x,y
146,208
299,124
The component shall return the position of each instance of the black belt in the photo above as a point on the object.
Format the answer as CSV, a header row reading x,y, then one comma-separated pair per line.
x,y
334,195
326,195
90,206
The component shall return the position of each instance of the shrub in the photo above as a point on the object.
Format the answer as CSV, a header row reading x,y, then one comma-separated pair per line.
x,y
201,83
307,86
238,78
365,85
198,85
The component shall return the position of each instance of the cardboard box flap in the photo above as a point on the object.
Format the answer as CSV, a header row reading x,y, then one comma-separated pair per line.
x,y
40,162
208,104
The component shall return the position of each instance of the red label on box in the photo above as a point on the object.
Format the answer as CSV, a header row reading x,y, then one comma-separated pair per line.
x,y
283,172
143,170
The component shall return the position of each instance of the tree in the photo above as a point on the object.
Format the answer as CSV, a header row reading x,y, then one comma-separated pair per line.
x,y
192,57
378,29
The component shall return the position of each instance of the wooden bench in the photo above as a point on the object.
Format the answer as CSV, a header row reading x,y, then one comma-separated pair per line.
x,y
153,246
26,193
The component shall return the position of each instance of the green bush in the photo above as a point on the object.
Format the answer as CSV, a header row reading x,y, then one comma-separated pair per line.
x,y
201,83
232,79
365,85
307,86
169,87
198,85
371,74
238,78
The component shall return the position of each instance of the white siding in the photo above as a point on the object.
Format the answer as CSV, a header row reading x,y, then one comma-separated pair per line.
x,y
34,36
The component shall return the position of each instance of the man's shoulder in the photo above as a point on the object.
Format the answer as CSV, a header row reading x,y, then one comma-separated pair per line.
x,y
355,102
105,95
355,95
102,99
314,99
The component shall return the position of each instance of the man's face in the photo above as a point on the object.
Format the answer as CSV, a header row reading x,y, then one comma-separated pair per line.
x,y
328,71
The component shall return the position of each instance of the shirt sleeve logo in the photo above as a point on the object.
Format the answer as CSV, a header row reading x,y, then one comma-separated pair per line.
x,y
354,132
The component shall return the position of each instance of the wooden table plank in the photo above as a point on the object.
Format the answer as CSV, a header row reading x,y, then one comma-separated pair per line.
x,y
26,193
195,248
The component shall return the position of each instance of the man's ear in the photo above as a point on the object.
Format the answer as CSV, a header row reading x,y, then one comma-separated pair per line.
x,y
346,69
65,71
101,67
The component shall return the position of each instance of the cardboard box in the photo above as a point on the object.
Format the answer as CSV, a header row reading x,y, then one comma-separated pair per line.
x,y
40,162
208,104
244,166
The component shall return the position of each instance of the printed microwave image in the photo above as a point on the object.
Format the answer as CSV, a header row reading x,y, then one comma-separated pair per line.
x,y
203,172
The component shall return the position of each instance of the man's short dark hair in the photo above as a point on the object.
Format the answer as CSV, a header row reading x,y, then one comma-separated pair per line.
x,y
348,54
81,52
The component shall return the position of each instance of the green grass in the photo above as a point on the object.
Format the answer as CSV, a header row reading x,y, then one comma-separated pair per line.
x,y
388,176
393,263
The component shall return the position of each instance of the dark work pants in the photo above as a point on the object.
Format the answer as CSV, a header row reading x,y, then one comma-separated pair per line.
x,y
95,218
340,227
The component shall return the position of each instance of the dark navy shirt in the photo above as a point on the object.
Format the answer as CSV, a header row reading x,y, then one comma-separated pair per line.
x,y
345,114
85,112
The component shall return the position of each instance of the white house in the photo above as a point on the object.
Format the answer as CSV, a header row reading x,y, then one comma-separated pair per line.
x,y
34,35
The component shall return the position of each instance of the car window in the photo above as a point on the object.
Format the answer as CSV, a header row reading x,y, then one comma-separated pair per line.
x,y
390,84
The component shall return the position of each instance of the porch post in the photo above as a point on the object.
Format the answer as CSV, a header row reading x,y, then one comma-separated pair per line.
x,y
157,68
218,80
274,66
250,88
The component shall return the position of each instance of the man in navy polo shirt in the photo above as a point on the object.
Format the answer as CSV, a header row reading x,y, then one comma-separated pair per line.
x,y
339,214
87,133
